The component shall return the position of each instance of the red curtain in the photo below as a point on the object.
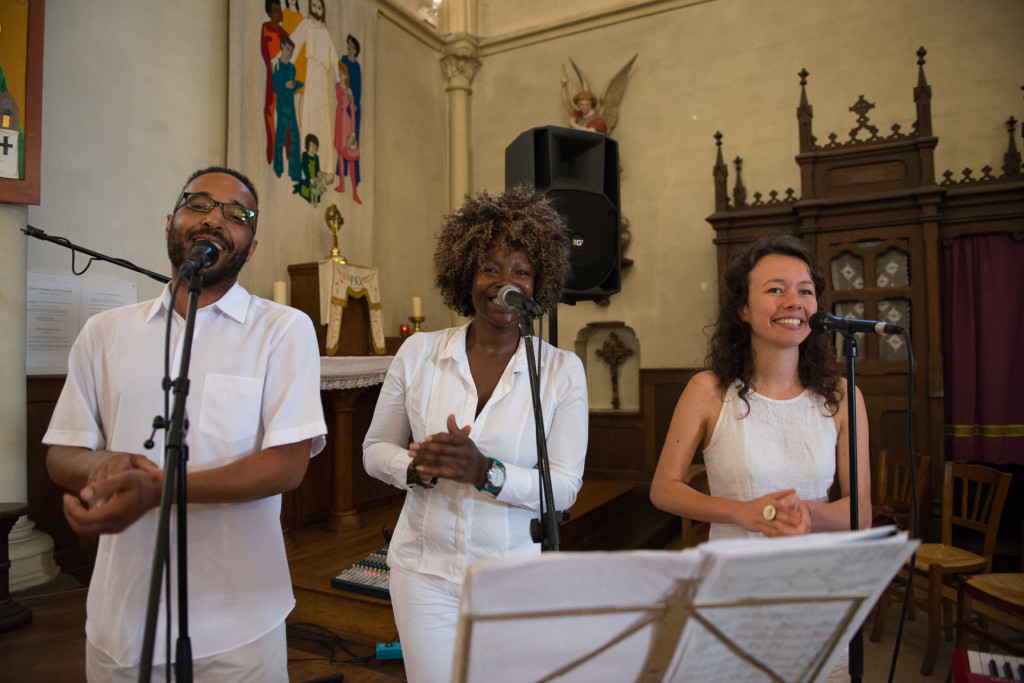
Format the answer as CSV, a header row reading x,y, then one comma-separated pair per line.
x,y
983,348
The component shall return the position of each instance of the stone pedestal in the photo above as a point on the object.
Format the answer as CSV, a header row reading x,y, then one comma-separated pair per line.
x,y
12,613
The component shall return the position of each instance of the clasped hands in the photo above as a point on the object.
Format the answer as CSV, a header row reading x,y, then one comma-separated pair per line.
x,y
120,488
450,455
792,515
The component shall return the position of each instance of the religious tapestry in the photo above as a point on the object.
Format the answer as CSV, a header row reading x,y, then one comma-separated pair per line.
x,y
300,118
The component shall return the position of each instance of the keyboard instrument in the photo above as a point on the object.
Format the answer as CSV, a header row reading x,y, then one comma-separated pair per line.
x,y
972,666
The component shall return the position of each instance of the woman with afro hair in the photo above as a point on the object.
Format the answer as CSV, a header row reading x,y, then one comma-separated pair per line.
x,y
454,424
770,412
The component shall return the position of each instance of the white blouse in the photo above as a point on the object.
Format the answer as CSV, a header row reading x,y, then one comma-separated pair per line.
x,y
444,529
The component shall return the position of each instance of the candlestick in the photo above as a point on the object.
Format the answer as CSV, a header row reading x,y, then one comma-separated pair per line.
x,y
416,320
281,292
417,307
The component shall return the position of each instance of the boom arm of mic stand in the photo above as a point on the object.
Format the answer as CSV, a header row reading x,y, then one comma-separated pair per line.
x,y
39,234
549,518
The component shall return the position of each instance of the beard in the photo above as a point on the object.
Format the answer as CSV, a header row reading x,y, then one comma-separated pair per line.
x,y
226,269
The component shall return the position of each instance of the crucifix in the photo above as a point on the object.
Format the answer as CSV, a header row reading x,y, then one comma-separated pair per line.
x,y
614,352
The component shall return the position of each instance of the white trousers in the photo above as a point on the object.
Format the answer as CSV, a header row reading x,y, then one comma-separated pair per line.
x,y
264,660
426,613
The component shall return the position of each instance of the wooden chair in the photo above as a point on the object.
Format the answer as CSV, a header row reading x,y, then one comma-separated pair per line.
x,y
894,493
972,500
985,598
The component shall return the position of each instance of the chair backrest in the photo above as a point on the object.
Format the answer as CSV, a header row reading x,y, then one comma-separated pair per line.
x,y
895,483
973,498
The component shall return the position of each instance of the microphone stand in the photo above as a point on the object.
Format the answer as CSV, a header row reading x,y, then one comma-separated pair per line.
x,y
39,234
175,458
856,664
544,531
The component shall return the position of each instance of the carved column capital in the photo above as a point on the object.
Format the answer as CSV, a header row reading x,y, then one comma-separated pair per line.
x,y
460,60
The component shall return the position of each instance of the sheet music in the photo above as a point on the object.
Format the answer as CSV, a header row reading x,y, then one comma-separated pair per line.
x,y
706,613
786,635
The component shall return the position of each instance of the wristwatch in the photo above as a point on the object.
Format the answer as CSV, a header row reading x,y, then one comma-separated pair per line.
x,y
413,479
495,478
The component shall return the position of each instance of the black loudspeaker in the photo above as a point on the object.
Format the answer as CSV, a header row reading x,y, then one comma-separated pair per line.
x,y
579,171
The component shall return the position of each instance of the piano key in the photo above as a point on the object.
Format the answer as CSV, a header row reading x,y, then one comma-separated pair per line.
x,y
974,661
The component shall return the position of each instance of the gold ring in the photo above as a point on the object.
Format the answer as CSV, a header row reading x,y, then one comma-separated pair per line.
x,y
769,512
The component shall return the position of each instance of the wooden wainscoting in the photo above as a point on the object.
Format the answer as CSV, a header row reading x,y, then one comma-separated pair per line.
x,y
625,445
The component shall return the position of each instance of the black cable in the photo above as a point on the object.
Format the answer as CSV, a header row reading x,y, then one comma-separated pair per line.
x,y
331,641
915,503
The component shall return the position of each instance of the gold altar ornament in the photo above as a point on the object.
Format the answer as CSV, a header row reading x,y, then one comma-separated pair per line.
x,y
334,223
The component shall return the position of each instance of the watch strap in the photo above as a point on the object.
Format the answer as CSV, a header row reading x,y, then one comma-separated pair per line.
x,y
488,487
413,479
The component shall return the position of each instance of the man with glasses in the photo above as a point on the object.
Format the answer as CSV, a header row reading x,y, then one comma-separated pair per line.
x,y
255,419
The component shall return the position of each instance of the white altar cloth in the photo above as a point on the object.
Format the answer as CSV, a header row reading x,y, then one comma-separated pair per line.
x,y
351,372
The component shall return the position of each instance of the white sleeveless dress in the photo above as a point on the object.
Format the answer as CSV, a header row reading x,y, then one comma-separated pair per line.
x,y
769,446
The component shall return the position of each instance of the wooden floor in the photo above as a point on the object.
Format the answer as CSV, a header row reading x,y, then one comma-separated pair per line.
x,y
52,648
330,631
334,632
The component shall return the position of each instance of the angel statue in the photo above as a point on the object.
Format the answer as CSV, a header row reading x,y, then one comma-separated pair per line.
x,y
585,111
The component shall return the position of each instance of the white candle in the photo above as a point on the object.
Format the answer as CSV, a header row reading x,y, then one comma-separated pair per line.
x,y
281,292
417,307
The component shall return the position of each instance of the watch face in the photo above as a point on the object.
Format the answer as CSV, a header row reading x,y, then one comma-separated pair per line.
x,y
496,476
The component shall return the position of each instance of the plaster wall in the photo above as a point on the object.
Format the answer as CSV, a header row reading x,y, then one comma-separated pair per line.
x,y
731,66
125,120
411,180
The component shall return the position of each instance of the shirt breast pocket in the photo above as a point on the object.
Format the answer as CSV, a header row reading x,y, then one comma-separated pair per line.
x,y
231,406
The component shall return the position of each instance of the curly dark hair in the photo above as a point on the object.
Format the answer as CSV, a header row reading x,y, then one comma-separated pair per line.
x,y
730,356
520,218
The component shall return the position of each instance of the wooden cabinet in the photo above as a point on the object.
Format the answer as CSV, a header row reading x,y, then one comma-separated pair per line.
x,y
870,209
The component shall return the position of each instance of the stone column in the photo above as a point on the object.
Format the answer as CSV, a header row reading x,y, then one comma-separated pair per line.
x,y
460,60
30,550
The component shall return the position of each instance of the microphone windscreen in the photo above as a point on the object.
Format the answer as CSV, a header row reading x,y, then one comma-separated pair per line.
x,y
819,322
204,253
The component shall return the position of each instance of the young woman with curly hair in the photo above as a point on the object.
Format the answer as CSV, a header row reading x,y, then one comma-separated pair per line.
x,y
769,413
454,424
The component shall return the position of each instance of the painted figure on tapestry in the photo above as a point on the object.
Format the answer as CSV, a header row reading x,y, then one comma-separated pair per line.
x,y
355,84
316,115
585,110
346,141
313,182
270,45
310,168
286,134
292,16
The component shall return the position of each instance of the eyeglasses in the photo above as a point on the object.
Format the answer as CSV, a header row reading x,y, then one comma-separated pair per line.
x,y
234,212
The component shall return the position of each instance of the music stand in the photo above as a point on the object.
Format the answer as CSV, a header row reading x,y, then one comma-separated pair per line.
x,y
755,609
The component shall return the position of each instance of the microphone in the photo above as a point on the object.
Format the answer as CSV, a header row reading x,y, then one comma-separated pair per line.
x,y
202,254
825,323
511,296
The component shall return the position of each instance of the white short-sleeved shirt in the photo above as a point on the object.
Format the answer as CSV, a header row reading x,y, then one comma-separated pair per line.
x,y
254,384
443,530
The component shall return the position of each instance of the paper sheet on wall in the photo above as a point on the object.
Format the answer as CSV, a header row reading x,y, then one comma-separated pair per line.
x,y
57,307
